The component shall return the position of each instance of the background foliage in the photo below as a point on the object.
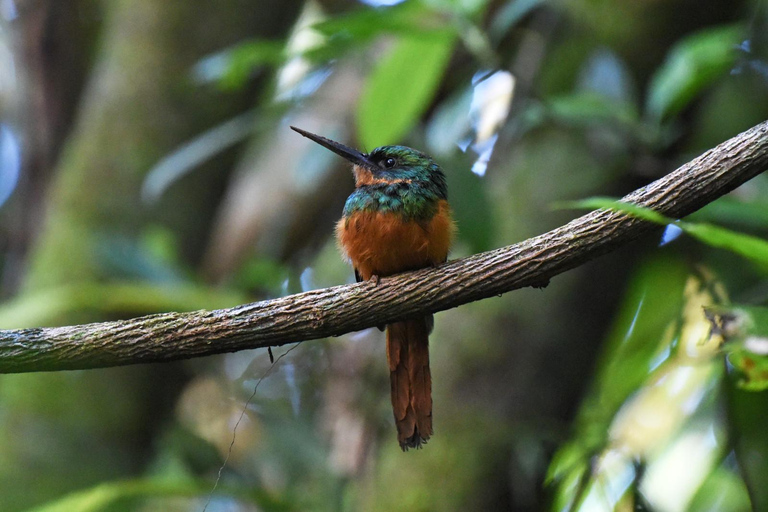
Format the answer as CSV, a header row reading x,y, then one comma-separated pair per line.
x,y
146,165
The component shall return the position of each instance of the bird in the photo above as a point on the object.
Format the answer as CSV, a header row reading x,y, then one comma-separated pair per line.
x,y
397,219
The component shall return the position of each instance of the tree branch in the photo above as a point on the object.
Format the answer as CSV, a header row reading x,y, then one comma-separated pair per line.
x,y
341,309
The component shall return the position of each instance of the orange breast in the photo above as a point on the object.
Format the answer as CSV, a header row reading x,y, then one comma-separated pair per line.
x,y
383,244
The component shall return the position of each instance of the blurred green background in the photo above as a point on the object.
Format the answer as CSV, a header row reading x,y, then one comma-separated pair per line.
x,y
146,165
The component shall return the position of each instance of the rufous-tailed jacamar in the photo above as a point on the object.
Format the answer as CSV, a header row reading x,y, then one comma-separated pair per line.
x,y
397,219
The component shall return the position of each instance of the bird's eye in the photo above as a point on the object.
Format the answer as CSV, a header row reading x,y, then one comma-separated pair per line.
x,y
389,163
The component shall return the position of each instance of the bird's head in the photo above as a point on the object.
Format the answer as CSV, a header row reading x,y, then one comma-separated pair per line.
x,y
386,164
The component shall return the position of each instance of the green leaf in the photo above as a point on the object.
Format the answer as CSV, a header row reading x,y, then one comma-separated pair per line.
x,y
745,333
723,490
401,88
366,24
730,210
585,108
750,247
471,207
753,369
749,437
103,496
657,366
609,203
232,67
693,64
638,342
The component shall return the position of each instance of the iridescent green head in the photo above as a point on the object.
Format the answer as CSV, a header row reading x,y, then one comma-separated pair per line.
x,y
390,165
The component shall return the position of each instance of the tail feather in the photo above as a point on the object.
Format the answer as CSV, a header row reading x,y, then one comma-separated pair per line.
x,y
411,381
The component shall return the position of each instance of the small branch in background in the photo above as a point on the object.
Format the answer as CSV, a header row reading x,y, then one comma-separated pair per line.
x,y
342,309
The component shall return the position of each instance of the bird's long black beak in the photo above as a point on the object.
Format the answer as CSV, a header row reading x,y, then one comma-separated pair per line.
x,y
353,155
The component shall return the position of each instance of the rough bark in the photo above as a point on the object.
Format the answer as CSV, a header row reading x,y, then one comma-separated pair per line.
x,y
337,310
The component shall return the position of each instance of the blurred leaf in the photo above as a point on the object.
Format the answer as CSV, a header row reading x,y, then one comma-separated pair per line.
x,y
652,380
465,8
727,209
568,473
509,15
245,58
356,29
677,470
104,496
161,244
363,25
606,74
753,369
693,64
233,67
450,123
262,274
589,109
472,208
750,247
401,88
193,153
125,258
745,332
476,42
47,307
723,490
638,342
749,437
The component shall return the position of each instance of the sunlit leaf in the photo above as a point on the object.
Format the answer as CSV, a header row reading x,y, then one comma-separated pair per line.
x,y
693,64
748,246
639,341
637,425
401,88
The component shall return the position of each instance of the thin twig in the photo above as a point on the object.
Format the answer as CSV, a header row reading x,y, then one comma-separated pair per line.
x,y
240,419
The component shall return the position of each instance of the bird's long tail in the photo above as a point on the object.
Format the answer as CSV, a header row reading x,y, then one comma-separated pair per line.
x,y
411,381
